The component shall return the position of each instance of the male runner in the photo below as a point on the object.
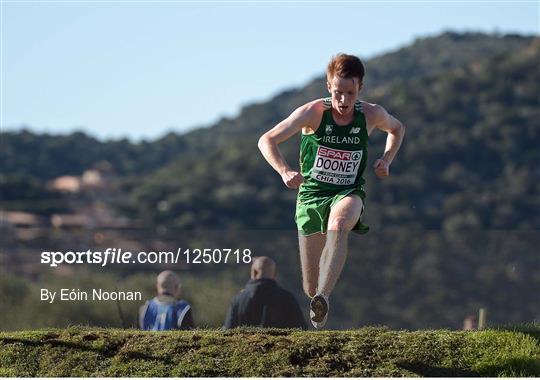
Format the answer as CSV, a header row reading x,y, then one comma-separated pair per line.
x,y
333,156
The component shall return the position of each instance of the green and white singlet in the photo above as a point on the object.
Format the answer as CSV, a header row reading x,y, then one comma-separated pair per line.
x,y
332,162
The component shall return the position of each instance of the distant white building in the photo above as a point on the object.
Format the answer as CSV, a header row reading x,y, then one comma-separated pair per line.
x,y
20,219
66,184
71,220
92,178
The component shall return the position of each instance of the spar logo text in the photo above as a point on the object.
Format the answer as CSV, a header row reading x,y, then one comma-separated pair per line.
x,y
336,166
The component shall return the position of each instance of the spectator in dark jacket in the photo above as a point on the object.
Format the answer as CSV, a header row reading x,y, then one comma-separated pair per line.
x,y
263,303
166,312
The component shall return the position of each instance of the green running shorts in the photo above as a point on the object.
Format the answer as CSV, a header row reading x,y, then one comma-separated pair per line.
x,y
312,212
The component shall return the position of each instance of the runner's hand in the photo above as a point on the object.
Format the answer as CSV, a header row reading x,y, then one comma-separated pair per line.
x,y
382,169
292,179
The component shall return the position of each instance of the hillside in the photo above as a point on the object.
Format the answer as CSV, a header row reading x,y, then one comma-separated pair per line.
x,y
371,352
471,136
470,104
453,229
48,155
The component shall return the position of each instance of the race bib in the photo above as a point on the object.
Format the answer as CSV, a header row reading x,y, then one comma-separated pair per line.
x,y
335,166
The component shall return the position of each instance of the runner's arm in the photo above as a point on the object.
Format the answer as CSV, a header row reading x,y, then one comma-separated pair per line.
x,y
268,143
396,131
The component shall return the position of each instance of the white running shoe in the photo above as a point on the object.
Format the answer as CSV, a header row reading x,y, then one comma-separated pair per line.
x,y
319,306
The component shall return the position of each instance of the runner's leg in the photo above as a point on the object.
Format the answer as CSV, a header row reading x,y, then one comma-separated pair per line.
x,y
343,217
311,248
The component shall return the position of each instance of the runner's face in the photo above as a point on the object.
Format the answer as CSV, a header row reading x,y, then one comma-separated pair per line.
x,y
344,93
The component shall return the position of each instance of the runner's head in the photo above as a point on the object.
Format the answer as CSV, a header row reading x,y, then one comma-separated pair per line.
x,y
344,75
263,267
168,283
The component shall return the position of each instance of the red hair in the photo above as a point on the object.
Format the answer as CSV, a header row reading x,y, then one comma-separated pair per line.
x,y
345,66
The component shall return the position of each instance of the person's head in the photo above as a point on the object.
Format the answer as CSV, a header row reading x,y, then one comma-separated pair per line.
x,y
470,323
344,78
263,267
168,283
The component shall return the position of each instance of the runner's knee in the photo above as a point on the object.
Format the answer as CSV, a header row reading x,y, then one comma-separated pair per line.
x,y
339,224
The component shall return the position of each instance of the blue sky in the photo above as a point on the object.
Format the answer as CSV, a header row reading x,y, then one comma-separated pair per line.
x,y
141,69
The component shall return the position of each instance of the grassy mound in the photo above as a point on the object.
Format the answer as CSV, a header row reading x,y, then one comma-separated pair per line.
x,y
83,351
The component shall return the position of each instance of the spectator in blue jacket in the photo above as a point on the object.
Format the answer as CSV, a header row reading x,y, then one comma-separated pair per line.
x,y
165,311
